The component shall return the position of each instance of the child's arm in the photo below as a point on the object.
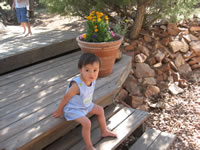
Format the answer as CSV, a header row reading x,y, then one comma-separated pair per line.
x,y
74,90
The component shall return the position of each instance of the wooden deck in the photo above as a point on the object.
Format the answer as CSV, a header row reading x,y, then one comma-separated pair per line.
x,y
17,51
30,95
122,120
154,140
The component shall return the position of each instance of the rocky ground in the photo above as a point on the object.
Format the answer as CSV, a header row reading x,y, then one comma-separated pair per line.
x,y
166,81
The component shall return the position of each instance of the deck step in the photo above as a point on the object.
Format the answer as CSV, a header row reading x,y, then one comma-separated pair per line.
x,y
123,123
121,120
17,51
74,136
154,139
29,96
123,129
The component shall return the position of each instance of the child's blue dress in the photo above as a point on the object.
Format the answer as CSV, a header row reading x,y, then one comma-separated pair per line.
x,y
80,105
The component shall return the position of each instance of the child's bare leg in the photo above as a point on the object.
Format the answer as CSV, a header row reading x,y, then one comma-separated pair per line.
x,y
98,110
86,132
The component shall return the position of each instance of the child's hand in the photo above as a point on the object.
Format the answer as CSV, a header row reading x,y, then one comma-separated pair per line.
x,y
57,114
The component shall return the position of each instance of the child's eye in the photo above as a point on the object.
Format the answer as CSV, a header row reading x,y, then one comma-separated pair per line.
x,y
95,70
87,70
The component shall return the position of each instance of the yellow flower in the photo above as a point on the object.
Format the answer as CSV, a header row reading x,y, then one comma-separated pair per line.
x,y
93,20
84,36
98,16
89,17
92,12
126,20
106,17
96,30
99,19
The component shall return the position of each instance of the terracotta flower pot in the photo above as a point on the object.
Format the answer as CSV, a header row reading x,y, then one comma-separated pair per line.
x,y
106,51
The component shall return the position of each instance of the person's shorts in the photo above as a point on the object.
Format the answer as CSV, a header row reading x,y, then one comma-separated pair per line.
x,y
74,113
21,15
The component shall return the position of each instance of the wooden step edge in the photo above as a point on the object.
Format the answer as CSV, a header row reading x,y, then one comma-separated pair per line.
x,y
74,136
153,139
54,133
123,131
112,122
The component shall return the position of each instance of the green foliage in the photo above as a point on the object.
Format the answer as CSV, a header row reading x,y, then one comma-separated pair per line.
x,y
97,28
171,10
121,26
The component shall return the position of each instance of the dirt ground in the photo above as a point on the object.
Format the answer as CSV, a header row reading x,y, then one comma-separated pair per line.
x,y
182,115
55,21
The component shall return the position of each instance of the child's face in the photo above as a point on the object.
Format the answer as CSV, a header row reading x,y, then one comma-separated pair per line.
x,y
90,72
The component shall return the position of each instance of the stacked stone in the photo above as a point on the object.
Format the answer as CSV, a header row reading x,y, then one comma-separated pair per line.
x,y
163,58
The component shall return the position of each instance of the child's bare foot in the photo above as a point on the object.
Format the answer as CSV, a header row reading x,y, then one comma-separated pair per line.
x,y
109,133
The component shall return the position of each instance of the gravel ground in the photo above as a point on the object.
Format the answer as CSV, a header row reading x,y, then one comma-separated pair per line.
x,y
181,117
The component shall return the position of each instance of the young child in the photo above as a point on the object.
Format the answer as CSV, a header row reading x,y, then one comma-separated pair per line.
x,y
77,102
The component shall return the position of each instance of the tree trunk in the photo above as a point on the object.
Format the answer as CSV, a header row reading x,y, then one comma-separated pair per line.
x,y
141,6
138,21
31,8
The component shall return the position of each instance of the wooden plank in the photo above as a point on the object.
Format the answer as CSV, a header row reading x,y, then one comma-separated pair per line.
x,y
24,107
41,130
113,122
48,134
37,81
21,77
123,130
22,102
18,130
34,69
32,102
75,135
145,140
38,115
153,139
22,112
126,70
27,91
26,122
29,99
163,141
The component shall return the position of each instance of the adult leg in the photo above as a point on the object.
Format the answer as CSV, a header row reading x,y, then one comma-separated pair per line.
x,y
86,132
24,26
29,28
20,18
24,20
99,111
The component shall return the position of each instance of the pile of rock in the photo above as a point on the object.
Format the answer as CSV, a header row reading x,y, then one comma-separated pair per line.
x,y
163,57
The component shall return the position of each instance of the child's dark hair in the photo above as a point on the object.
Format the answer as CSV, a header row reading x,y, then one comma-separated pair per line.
x,y
88,58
